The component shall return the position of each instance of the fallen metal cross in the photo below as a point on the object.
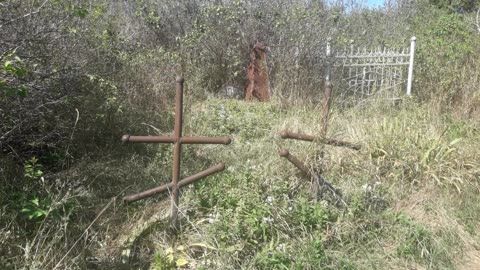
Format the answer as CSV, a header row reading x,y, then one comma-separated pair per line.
x,y
177,139
285,134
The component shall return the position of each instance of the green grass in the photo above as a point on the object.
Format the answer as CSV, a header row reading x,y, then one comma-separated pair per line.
x,y
411,194
258,214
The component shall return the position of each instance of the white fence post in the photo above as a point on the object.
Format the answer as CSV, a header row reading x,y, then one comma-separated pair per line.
x,y
410,66
328,54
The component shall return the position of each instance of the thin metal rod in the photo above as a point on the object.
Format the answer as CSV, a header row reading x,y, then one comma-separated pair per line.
x,y
177,150
188,180
171,139
304,137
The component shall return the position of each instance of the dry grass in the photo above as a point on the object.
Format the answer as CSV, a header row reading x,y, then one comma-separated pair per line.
x,y
410,193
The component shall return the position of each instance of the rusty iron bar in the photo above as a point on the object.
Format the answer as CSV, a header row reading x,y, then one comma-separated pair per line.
x,y
285,134
186,181
177,150
318,178
170,139
295,161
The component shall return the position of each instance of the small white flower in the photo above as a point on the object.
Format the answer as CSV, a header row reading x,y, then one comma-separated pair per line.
x,y
267,220
270,199
367,187
210,220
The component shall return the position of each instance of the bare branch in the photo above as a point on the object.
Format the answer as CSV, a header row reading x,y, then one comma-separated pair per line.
x,y
26,15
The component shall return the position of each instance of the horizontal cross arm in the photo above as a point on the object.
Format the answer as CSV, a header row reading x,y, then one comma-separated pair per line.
x,y
304,137
171,139
205,140
188,180
147,139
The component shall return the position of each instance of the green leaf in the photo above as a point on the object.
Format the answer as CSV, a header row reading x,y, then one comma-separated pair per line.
x,y
20,71
22,91
35,202
181,262
8,65
80,12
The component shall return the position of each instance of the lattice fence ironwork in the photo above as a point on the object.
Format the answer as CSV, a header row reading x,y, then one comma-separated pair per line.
x,y
377,72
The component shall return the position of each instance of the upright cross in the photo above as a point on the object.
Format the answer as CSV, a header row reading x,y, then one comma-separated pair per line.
x,y
177,139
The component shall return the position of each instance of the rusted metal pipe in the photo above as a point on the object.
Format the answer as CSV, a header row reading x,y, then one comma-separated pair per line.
x,y
170,139
147,139
206,140
285,134
284,153
177,150
316,177
187,180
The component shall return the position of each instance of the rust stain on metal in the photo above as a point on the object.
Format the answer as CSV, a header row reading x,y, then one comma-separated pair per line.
x,y
257,86
177,141
285,134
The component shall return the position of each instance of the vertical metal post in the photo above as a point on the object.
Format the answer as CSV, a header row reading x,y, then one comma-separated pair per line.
x,y
364,74
351,62
177,134
328,91
410,66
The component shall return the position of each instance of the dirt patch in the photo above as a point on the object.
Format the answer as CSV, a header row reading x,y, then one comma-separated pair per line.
x,y
421,206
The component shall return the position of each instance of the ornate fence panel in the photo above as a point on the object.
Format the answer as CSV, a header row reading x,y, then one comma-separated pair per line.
x,y
376,72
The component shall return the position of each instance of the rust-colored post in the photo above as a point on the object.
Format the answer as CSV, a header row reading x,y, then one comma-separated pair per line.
x,y
177,150
326,108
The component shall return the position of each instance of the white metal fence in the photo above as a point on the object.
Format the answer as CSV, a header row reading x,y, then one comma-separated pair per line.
x,y
368,72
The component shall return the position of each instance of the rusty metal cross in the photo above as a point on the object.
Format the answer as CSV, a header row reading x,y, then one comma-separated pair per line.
x,y
177,139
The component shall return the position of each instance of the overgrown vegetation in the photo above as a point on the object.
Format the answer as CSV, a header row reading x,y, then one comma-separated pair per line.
x,y
76,75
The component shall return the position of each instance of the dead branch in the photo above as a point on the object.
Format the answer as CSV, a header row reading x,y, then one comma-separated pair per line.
x,y
26,15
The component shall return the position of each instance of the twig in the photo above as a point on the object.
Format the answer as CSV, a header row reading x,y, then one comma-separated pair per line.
x,y
85,231
26,15
73,131
155,128
53,102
